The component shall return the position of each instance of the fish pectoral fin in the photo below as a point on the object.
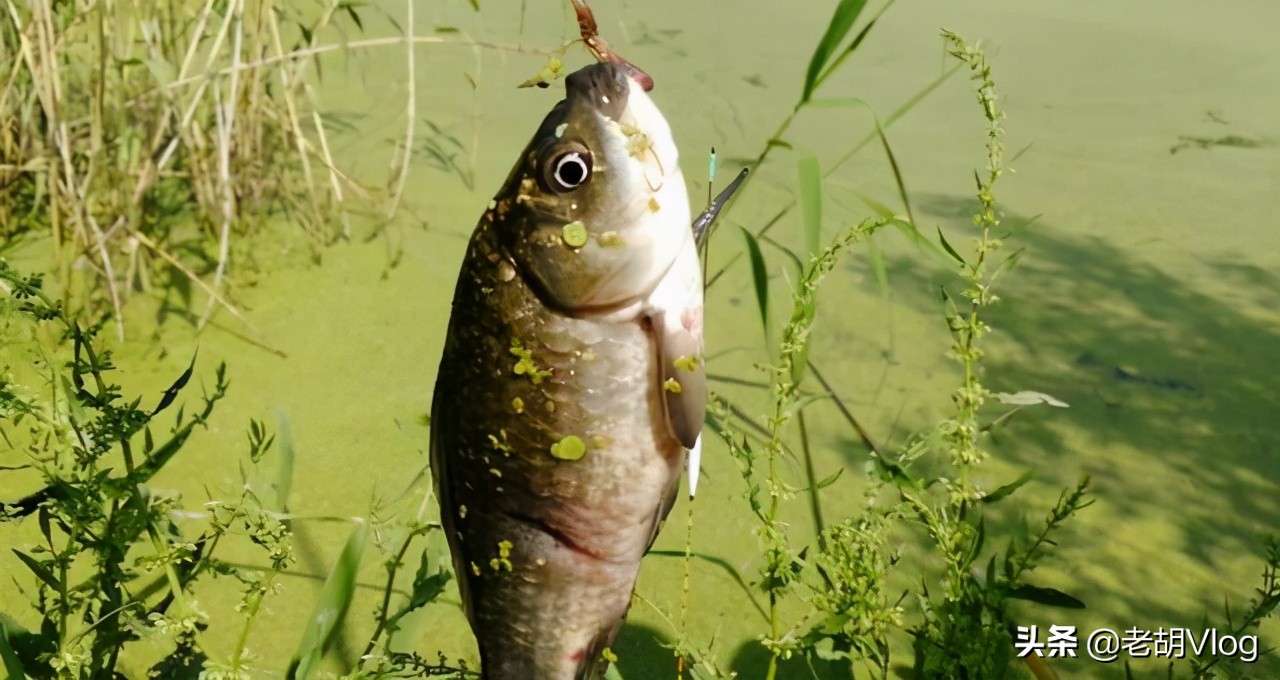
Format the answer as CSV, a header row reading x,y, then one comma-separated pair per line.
x,y
683,373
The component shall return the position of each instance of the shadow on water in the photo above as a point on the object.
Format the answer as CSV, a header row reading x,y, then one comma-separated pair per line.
x,y
752,661
1173,396
644,652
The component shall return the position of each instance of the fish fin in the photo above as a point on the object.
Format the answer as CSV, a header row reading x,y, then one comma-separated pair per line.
x,y
683,375
702,225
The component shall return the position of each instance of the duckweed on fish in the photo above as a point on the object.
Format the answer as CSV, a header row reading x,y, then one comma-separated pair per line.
x,y
569,448
526,364
574,234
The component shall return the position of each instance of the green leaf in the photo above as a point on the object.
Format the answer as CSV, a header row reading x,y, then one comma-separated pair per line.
x,y
1050,597
947,247
427,585
331,606
37,567
172,393
1006,490
841,22
760,278
12,665
811,204
829,479
975,548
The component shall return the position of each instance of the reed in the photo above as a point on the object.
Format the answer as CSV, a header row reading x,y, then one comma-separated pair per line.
x,y
146,136
133,129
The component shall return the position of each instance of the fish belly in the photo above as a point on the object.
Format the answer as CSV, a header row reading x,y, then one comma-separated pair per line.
x,y
547,548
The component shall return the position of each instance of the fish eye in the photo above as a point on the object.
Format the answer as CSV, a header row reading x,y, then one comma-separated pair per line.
x,y
570,170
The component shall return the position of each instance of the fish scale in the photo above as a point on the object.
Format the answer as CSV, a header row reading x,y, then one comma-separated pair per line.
x,y
605,506
571,381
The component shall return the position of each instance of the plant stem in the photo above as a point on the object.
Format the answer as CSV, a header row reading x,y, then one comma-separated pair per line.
x,y
393,567
815,503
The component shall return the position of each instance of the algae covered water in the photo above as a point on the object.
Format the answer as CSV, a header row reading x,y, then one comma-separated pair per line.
x,y
1146,144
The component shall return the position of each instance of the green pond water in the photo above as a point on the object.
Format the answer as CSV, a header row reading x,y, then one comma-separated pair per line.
x,y
1148,299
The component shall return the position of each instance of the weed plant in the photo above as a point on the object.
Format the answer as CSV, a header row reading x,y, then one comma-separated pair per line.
x,y
119,564
958,619
143,138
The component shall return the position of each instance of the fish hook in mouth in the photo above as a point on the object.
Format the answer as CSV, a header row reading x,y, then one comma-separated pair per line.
x,y
590,32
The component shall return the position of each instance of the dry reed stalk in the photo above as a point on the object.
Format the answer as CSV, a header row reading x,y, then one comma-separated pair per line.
x,y
226,119
406,152
136,132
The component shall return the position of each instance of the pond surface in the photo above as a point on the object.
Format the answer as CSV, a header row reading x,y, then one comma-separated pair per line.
x,y
1148,297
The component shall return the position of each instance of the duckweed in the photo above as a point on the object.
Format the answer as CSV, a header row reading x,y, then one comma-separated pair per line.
x,y
569,448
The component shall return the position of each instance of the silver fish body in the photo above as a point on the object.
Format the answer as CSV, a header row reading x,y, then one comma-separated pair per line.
x,y
571,382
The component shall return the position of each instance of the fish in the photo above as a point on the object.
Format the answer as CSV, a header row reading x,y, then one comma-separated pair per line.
x,y
571,388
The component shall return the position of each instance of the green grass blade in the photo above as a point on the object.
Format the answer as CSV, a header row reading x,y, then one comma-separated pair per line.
x,y
331,606
841,22
811,477
897,172
878,267
284,473
876,206
760,278
888,152
728,568
853,45
903,109
12,664
791,255
811,204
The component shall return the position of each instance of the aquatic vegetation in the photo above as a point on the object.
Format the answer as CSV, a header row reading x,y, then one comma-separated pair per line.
x,y
131,130
144,139
958,618
120,564
921,574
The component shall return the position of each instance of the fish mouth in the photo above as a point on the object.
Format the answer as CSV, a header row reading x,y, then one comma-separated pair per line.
x,y
604,87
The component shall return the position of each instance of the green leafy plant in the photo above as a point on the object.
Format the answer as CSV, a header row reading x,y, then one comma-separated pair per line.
x,y
119,564
958,619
